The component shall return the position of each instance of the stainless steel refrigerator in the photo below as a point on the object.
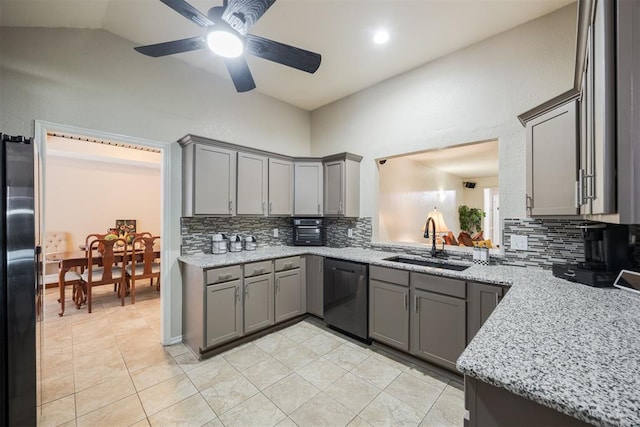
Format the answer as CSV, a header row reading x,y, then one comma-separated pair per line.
x,y
20,289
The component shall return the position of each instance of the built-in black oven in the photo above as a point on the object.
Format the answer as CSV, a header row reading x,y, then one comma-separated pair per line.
x,y
308,232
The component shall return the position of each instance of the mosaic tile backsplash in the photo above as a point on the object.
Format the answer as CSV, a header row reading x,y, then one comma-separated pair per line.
x,y
549,240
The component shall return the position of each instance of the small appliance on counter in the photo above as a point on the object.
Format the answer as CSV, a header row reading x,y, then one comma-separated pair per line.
x,y
235,243
606,253
308,232
219,244
250,243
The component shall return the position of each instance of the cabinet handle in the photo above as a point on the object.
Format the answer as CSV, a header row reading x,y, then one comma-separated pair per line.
x,y
340,208
497,299
246,292
237,294
591,194
263,206
270,207
230,206
320,264
406,301
277,285
529,203
318,207
415,303
581,200
288,265
225,276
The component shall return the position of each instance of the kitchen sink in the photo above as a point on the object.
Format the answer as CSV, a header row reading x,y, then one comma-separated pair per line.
x,y
428,263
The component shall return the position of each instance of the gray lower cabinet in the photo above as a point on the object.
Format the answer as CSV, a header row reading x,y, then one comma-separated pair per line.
x,y
482,300
315,285
389,307
438,321
258,302
290,297
223,313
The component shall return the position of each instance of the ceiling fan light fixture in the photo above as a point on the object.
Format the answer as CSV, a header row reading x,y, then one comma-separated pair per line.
x,y
225,43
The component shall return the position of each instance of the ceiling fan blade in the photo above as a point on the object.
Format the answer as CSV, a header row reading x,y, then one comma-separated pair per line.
x,y
189,12
281,53
240,73
169,48
241,15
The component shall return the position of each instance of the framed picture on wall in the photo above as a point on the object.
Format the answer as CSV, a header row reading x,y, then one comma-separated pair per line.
x,y
125,226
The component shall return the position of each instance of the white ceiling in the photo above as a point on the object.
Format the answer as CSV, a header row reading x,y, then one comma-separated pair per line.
x,y
475,160
340,30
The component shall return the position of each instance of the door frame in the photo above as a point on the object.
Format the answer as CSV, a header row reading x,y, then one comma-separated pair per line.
x,y
169,221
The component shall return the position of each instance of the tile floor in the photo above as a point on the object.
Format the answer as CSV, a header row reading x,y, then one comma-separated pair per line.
x,y
108,369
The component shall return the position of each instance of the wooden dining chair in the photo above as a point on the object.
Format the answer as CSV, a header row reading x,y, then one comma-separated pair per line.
x,y
144,265
102,268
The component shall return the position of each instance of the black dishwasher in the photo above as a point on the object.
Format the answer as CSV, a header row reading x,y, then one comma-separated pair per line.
x,y
346,297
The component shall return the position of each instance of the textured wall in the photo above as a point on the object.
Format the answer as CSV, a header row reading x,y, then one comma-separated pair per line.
x,y
471,95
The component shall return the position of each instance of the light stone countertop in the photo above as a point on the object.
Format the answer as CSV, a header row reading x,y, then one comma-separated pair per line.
x,y
564,345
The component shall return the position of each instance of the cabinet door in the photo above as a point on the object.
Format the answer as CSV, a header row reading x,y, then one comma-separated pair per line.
x,y
315,285
224,313
252,184
482,300
258,302
552,162
288,295
214,181
308,189
389,314
334,184
438,328
280,187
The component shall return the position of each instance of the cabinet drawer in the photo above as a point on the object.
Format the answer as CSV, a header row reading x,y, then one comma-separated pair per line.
x,y
287,263
223,274
390,275
439,284
258,268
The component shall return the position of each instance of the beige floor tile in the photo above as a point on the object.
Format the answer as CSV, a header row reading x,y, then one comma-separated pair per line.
x,y
192,411
287,422
56,388
187,361
210,372
358,422
300,332
214,423
142,358
97,369
391,359
103,394
141,423
125,327
352,392
265,373
176,349
291,392
229,393
96,344
275,343
428,375
322,410
321,373
322,343
447,411
346,356
377,372
89,330
386,410
124,412
155,374
296,357
57,412
256,411
167,393
245,356
418,393
121,314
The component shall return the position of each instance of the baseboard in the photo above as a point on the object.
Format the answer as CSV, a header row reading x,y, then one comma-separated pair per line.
x,y
174,340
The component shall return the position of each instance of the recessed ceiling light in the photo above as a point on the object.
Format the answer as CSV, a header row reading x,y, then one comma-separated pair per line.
x,y
381,37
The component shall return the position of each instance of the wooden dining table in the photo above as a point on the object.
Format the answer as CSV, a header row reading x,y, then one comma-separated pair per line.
x,y
78,259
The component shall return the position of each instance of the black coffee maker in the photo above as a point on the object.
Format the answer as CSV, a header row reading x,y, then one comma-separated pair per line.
x,y
606,252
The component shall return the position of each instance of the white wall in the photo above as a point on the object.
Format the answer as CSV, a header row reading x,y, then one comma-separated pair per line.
x,y
94,80
408,191
87,196
474,197
471,95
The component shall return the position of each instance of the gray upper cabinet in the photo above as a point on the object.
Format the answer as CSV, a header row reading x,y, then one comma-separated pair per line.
x,y
482,300
209,180
252,184
389,307
280,187
342,185
315,285
552,162
308,198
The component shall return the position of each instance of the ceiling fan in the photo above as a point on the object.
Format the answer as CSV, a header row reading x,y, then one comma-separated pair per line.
x,y
226,30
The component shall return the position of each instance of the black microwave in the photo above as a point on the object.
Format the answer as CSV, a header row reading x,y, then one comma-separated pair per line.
x,y
308,232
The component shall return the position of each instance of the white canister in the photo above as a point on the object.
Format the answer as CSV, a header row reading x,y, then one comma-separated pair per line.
x,y
250,243
235,243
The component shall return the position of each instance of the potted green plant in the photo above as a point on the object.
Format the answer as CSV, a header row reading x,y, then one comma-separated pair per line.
x,y
470,218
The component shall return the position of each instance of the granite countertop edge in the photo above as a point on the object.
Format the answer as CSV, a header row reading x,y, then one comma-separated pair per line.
x,y
546,341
